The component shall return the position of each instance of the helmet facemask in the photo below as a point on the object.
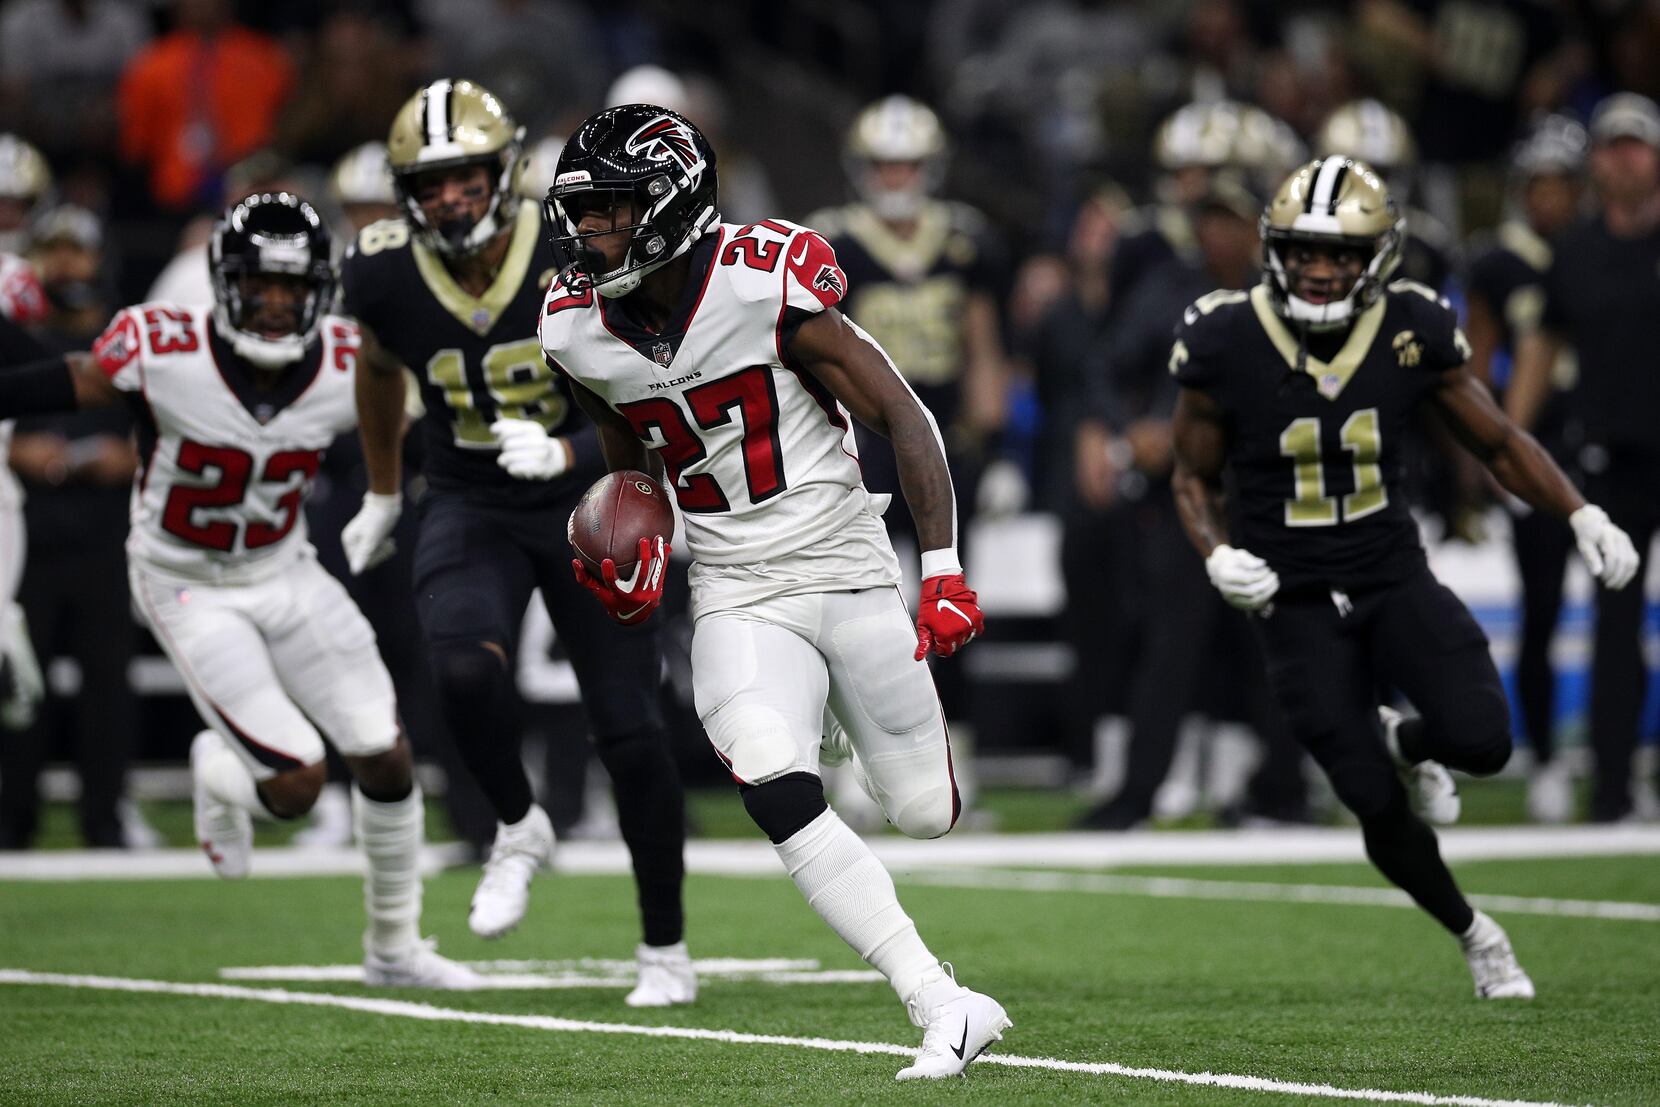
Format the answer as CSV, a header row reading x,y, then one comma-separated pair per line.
x,y
1382,256
246,243
655,205
459,238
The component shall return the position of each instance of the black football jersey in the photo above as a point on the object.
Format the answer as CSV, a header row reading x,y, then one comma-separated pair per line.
x,y
1510,276
1315,461
910,293
477,358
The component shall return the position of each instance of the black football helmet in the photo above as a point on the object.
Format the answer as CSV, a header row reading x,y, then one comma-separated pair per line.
x,y
270,233
651,157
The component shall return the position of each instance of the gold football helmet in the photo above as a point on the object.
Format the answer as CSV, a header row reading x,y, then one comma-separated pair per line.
x,y
1224,134
1369,131
446,125
25,180
1334,202
895,130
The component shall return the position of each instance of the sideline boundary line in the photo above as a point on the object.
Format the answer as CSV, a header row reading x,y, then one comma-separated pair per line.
x,y
747,857
427,1012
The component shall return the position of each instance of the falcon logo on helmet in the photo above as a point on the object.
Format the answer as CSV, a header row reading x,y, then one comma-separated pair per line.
x,y
642,160
667,139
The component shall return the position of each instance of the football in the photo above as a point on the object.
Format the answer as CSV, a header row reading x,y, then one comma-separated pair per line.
x,y
620,509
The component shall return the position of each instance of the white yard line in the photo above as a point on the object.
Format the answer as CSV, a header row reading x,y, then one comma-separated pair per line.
x,y
426,1012
751,857
587,972
1166,887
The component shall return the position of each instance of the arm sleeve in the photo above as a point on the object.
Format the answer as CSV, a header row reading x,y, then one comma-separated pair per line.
x,y
119,351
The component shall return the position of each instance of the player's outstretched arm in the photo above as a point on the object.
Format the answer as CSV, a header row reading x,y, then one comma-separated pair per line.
x,y
858,373
1527,471
53,384
1243,579
380,414
379,386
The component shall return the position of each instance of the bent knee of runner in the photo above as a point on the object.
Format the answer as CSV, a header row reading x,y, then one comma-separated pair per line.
x,y
387,776
291,794
756,742
926,813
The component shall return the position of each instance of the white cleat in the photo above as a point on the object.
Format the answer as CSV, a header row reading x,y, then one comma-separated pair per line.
x,y
954,1032
1550,793
667,978
225,833
1493,963
1429,785
421,967
504,892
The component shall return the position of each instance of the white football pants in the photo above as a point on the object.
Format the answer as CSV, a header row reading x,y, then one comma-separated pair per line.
x,y
765,675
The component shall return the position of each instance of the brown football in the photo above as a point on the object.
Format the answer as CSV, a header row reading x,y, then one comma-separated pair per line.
x,y
620,509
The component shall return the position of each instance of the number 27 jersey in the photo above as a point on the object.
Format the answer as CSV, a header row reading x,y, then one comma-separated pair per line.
x,y
759,453
226,465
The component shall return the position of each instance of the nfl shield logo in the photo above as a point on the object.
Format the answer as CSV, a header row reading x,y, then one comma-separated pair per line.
x,y
662,353
1330,385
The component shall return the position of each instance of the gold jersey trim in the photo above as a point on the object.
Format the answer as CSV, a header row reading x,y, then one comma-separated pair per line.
x,y
479,313
906,258
1330,378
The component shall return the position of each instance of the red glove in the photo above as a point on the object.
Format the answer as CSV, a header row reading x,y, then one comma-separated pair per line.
x,y
633,600
22,299
949,617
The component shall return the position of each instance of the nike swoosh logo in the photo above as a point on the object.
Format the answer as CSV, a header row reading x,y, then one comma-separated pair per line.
x,y
961,1046
947,605
801,257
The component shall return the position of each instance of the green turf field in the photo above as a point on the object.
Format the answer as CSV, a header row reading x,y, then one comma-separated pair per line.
x,y
1359,997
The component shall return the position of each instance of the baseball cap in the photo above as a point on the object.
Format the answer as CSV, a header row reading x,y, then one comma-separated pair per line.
x,y
1626,115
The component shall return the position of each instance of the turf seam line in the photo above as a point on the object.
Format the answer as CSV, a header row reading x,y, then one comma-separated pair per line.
x,y
428,1012
1171,887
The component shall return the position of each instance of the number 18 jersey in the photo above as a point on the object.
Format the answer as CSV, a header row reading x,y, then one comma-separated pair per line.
x,y
760,455
476,357
226,465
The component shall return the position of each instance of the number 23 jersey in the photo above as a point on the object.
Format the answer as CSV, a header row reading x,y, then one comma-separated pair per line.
x,y
1315,458
226,465
760,454
476,358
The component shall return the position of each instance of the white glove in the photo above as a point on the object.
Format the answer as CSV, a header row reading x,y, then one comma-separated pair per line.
x,y
528,451
17,653
367,539
1003,490
1606,548
1243,578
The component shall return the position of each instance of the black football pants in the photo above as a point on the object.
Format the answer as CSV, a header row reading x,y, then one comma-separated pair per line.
x,y
475,568
1629,494
1331,656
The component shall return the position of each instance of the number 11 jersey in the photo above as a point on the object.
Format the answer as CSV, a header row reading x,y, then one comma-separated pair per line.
x,y
760,455
1315,458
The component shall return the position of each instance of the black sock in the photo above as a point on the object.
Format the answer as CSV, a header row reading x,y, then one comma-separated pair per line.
x,y
651,812
1405,850
473,693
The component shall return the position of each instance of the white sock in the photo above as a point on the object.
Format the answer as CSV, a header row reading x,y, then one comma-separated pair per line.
x,y
851,891
1480,932
227,779
390,834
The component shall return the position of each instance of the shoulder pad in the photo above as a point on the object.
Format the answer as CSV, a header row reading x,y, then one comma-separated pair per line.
x,y
1424,290
1205,334
560,309
379,237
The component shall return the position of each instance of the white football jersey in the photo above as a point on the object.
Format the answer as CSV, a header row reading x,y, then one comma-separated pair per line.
x,y
22,300
226,466
760,454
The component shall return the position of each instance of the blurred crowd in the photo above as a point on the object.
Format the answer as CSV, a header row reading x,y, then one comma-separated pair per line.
x,y
1022,228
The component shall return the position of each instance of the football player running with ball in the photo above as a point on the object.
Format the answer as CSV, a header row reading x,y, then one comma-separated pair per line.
x,y
452,290
1300,393
718,349
235,404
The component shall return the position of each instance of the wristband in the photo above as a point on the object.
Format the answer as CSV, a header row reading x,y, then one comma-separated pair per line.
x,y
941,563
